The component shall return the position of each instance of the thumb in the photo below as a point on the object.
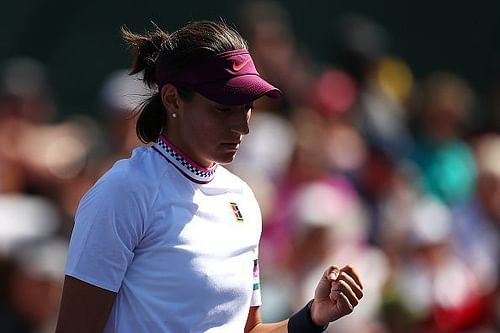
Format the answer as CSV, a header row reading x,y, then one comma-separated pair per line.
x,y
324,286
332,273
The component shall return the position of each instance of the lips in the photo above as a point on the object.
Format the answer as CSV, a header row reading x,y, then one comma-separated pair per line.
x,y
231,145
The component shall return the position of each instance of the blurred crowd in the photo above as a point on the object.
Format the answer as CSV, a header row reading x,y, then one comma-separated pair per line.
x,y
360,163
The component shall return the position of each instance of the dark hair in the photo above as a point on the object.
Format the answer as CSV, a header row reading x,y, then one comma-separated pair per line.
x,y
188,45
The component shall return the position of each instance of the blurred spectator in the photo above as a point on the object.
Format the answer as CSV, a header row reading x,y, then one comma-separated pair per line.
x,y
25,218
333,92
383,83
329,226
34,287
446,161
121,94
333,96
267,27
25,100
31,263
318,218
37,155
26,82
477,221
391,189
438,289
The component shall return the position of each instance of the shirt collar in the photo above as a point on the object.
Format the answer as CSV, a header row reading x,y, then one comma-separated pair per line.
x,y
184,164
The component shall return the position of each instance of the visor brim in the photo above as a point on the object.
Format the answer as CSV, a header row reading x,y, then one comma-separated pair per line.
x,y
238,90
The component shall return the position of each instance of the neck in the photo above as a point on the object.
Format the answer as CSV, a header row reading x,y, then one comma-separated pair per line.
x,y
187,167
186,153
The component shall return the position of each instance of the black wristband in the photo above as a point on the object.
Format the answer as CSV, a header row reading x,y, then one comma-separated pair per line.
x,y
301,321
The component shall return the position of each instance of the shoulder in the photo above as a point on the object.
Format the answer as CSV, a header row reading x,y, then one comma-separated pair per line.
x,y
136,178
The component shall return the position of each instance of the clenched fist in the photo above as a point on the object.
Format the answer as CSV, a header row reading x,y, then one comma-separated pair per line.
x,y
336,295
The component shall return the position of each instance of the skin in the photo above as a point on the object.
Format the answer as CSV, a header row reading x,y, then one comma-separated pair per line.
x,y
337,293
208,133
205,131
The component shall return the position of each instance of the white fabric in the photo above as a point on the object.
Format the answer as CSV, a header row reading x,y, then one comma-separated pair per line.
x,y
172,249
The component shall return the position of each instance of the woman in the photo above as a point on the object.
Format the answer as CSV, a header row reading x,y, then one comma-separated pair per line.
x,y
167,240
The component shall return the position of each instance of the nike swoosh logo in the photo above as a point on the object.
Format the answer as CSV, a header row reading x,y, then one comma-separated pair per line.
x,y
238,67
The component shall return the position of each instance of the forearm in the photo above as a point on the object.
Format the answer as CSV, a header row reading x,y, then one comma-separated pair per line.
x,y
300,322
280,327
336,295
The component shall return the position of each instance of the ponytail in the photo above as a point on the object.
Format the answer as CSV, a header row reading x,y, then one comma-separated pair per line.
x,y
152,119
146,49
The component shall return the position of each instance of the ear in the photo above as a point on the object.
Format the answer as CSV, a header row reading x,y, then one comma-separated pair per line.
x,y
171,99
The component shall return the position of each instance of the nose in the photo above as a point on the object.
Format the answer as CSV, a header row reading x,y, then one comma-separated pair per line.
x,y
242,118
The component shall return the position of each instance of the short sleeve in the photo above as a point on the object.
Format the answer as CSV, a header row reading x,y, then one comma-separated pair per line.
x,y
256,299
109,224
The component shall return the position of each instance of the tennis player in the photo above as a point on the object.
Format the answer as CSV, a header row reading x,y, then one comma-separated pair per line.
x,y
167,240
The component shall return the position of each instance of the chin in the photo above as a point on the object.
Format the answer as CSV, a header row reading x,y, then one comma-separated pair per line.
x,y
225,158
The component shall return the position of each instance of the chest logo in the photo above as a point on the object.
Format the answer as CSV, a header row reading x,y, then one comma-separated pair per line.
x,y
236,211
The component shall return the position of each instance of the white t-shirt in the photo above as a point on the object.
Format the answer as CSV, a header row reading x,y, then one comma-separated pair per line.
x,y
176,242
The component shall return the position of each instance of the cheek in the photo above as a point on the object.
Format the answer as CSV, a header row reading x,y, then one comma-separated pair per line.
x,y
204,131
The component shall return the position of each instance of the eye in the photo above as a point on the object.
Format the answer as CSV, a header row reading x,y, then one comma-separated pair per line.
x,y
222,107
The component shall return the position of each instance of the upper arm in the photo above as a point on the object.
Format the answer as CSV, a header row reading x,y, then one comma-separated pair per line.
x,y
109,225
84,308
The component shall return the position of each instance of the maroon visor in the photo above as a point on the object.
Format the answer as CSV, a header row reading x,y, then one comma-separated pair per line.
x,y
228,78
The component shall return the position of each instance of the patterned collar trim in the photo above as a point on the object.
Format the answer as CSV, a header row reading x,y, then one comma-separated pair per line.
x,y
184,164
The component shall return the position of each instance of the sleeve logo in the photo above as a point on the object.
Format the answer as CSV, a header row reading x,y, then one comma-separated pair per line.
x,y
236,211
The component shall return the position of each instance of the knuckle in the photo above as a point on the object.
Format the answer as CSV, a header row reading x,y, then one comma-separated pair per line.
x,y
333,269
348,308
